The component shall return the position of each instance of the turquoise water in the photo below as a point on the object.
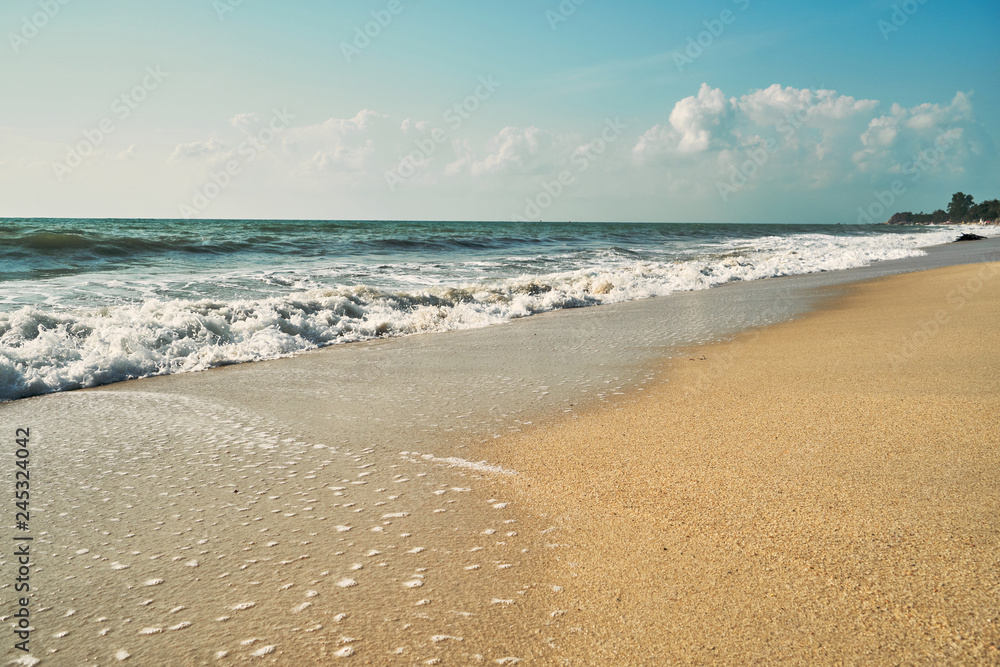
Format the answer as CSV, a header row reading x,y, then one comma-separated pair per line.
x,y
86,302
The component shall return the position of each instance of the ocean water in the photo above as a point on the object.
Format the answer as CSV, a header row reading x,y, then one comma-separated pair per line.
x,y
88,302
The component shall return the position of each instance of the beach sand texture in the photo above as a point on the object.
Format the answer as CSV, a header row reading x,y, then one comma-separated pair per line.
x,y
821,491
824,490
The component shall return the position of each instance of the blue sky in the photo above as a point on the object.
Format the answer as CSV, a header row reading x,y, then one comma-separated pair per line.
x,y
786,112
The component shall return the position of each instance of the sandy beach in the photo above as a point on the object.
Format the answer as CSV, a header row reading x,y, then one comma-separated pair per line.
x,y
497,334
822,491
818,491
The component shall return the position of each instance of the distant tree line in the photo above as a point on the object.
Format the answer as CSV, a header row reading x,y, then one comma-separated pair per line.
x,y
961,209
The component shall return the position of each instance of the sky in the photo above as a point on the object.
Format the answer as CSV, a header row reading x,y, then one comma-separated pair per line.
x,y
585,110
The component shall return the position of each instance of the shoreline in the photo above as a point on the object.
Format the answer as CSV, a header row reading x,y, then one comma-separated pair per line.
x,y
806,492
274,458
801,283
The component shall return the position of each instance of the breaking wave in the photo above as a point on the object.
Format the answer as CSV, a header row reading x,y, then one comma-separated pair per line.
x,y
44,349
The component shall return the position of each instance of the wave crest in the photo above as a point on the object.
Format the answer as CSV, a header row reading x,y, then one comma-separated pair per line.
x,y
43,351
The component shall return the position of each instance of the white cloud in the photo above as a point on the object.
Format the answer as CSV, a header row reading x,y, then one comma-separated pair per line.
x,y
811,139
834,146
710,121
694,118
129,153
770,105
514,151
818,141
244,121
696,124
410,126
897,139
343,144
800,138
199,150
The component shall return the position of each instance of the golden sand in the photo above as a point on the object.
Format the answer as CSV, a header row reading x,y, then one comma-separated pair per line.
x,y
826,490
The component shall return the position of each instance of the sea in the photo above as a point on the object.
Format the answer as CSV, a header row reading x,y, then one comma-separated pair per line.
x,y
89,302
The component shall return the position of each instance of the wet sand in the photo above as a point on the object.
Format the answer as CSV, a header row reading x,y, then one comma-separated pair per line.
x,y
178,531
798,494
821,491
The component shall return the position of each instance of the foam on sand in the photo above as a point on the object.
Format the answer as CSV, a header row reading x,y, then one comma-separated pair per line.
x,y
455,462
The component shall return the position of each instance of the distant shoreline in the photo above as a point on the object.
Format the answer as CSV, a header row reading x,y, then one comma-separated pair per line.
x,y
937,224
961,210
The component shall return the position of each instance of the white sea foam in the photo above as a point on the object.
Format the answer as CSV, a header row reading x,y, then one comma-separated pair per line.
x,y
456,462
45,349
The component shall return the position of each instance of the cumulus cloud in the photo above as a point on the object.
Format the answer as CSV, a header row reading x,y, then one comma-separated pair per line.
x,y
694,118
709,121
411,127
806,138
198,150
694,122
343,144
774,140
513,150
129,153
893,140
771,105
244,121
